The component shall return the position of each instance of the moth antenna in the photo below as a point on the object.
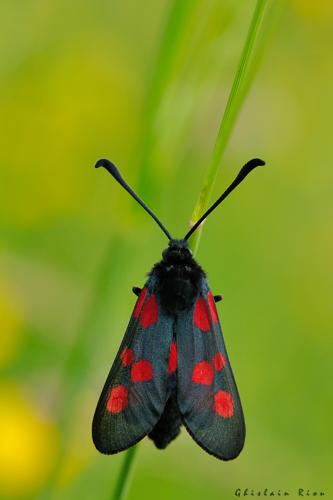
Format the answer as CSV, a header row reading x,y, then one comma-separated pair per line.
x,y
245,170
112,169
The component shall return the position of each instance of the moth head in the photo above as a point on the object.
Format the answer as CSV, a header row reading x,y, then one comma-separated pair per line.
x,y
177,251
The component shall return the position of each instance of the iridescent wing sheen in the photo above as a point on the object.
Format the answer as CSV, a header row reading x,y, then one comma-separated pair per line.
x,y
207,395
136,390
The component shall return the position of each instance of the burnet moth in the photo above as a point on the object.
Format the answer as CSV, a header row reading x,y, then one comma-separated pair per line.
x,y
172,367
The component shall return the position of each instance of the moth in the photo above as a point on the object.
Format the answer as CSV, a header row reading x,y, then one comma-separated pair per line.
x,y
172,368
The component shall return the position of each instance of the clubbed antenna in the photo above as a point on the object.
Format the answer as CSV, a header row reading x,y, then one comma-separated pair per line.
x,y
250,165
112,169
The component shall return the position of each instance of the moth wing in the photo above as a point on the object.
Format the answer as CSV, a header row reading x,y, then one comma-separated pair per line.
x,y
207,395
135,392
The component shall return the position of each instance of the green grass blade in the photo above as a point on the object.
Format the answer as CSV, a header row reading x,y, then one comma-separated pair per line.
x,y
236,98
124,478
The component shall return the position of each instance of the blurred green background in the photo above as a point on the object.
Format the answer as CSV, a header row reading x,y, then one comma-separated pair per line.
x,y
136,83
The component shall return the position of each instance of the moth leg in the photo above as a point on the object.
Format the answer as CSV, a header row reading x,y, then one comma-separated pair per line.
x,y
136,290
217,298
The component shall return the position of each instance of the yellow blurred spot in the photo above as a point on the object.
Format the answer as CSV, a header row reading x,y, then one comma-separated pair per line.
x,y
315,10
10,320
28,445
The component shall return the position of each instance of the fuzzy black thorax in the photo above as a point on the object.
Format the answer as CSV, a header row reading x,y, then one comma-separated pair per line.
x,y
178,276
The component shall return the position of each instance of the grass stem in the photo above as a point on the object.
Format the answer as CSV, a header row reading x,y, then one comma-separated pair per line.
x,y
236,98
124,477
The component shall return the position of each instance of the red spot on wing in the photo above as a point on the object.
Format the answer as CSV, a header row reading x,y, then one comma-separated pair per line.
x,y
142,371
172,358
127,356
203,373
149,313
139,302
224,404
219,361
201,315
212,307
118,399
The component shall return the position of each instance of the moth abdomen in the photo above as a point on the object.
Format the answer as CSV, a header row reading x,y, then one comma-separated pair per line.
x,y
168,426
